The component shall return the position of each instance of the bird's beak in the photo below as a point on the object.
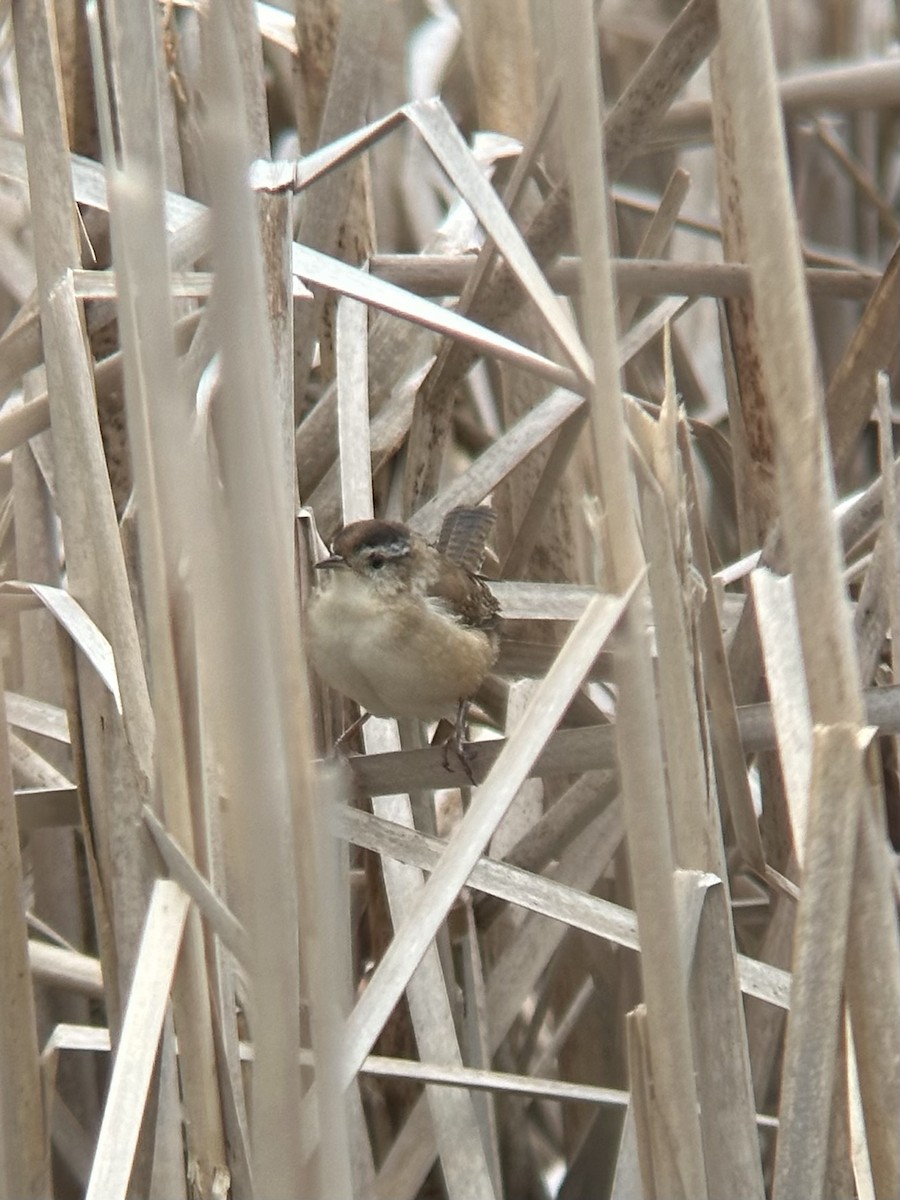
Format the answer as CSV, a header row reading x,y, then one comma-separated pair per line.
x,y
334,560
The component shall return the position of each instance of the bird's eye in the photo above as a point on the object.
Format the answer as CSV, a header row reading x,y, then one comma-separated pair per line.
x,y
376,562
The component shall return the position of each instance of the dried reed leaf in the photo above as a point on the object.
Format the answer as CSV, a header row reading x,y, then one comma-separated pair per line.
x,y
432,416
842,86
549,897
249,685
819,945
275,224
725,1091
20,348
492,1081
24,1144
889,528
82,630
91,541
627,1179
37,716
118,740
282,175
475,1048
461,1150
354,451
752,442
21,422
872,616
185,874
448,274
48,808
874,1004
657,234
638,736
141,1028
581,749
697,839
723,716
274,23
512,979
136,188
65,968
33,767
387,429
443,138
725,1087
500,458
776,615
320,270
534,428
528,601
336,217
862,1168
851,392
96,1039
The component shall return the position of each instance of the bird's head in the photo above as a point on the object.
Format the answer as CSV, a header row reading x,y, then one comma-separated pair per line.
x,y
383,553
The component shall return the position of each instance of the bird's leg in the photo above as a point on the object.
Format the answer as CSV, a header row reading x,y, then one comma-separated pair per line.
x,y
459,728
342,745
456,741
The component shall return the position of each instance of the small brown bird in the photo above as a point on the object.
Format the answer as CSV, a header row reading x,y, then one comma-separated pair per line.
x,y
404,628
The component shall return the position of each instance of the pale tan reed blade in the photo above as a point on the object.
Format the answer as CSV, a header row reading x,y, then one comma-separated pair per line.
x,y
24,1144
776,614
93,644
460,1147
65,968
647,820
320,270
551,898
141,1027
354,451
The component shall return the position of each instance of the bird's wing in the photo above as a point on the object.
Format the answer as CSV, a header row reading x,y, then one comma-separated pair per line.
x,y
464,535
467,597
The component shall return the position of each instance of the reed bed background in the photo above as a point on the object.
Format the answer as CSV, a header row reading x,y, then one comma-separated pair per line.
x,y
629,274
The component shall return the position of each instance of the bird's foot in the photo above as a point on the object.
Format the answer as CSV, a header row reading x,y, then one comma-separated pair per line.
x,y
464,752
343,743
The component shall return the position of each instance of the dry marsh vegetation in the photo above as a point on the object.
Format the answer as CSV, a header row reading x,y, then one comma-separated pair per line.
x,y
627,273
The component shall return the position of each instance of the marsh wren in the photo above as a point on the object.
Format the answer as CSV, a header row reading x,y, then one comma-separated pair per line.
x,y
404,628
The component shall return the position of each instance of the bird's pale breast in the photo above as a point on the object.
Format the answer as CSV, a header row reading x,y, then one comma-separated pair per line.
x,y
406,658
